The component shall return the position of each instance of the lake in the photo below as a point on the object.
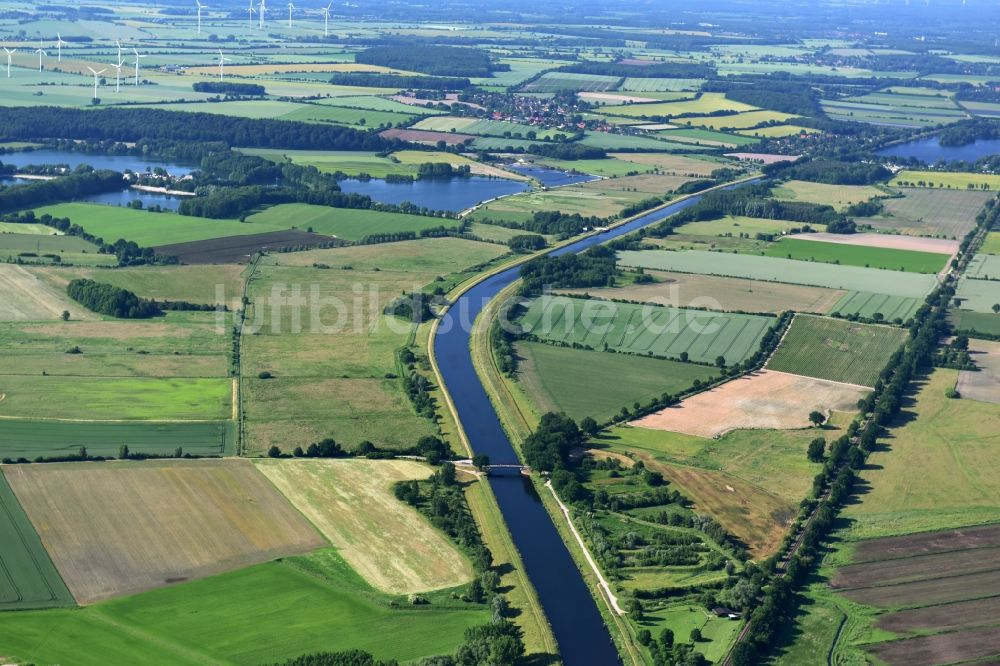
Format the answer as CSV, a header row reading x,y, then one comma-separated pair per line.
x,y
74,159
551,177
451,194
930,150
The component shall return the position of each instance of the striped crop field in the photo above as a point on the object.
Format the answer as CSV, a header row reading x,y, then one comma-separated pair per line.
x,y
774,269
28,579
646,329
835,349
867,304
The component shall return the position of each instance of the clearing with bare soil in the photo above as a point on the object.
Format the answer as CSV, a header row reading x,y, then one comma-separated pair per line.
x,y
982,385
764,400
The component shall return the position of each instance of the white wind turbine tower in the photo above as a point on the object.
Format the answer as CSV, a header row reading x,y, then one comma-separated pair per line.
x,y
290,8
137,56
326,20
9,53
59,44
96,74
222,61
40,51
200,7
250,11
261,12
118,73
119,45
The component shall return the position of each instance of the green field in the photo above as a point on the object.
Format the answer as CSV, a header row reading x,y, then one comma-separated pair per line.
x,y
858,255
735,225
71,249
706,103
479,127
867,304
976,322
560,81
978,295
347,223
589,383
646,330
936,471
626,142
992,243
923,212
29,438
838,196
632,84
984,267
947,180
837,350
127,398
349,162
28,579
150,229
852,278
314,603
739,121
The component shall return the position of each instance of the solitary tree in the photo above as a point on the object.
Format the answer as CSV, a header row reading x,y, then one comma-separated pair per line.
x,y
274,452
996,308
123,452
720,361
65,315
817,418
696,635
589,426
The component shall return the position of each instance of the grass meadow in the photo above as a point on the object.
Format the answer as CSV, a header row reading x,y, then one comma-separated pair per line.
x,y
934,471
314,603
347,223
337,375
838,196
588,383
923,212
858,255
951,180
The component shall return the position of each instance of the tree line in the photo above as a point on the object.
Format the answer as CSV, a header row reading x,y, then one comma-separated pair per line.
x,y
143,124
407,81
594,268
432,59
832,172
81,183
230,89
109,300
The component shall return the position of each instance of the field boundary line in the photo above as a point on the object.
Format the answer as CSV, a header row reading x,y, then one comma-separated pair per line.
x,y
146,421
820,379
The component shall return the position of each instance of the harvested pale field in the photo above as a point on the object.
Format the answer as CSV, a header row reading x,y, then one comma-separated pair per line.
x,y
26,298
952,648
426,136
668,163
766,400
983,385
888,241
916,568
763,158
926,543
124,527
723,293
352,503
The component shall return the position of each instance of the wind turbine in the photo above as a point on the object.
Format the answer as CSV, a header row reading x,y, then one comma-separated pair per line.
x,y
96,74
137,56
290,8
326,20
40,51
261,12
9,53
119,45
200,7
222,60
118,73
250,11
59,45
